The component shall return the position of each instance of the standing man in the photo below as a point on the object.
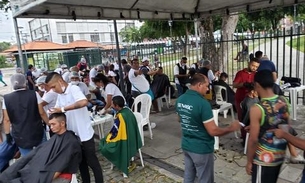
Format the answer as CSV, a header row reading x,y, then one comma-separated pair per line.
x,y
74,103
266,153
207,71
181,76
146,70
244,78
198,131
22,109
30,77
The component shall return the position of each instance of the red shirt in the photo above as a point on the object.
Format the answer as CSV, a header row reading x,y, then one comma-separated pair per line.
x,y
243,76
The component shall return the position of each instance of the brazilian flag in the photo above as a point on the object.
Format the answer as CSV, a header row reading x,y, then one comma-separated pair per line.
x,y
123,140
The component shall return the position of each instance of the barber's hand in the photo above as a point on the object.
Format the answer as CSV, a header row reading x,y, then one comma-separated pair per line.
x,y
235,125
102,112
54,110
247,84
9,139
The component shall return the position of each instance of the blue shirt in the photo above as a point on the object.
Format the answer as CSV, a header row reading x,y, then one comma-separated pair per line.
x,y
266,65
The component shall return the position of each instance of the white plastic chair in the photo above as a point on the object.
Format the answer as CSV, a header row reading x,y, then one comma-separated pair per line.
x,y
166,98
145,101
218,92
139,121
219,99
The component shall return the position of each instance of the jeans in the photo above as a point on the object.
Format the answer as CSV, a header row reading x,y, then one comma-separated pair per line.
x,y
303,177
89,158
24,151
201,165
97,103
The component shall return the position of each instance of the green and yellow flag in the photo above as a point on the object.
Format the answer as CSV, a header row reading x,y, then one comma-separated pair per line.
x,y
123,140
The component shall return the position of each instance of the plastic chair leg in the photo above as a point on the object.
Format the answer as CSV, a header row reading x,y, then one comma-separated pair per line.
x,y
141,158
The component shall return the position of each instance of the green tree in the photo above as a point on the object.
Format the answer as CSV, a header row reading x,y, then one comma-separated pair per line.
x,y
4,5
2,61
4,46
131,35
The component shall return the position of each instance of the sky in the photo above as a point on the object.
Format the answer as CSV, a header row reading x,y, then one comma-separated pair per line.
x,y
7,27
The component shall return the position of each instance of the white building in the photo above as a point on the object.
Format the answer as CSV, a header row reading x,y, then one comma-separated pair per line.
x,y
66,31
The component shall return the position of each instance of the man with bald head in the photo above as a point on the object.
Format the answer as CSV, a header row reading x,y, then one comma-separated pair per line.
x,y
73,103
198,131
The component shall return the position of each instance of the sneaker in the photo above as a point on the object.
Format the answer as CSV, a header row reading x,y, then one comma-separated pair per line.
x,y
132,166
297,159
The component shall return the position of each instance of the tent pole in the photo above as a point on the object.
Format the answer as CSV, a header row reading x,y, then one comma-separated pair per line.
x,y
119,57
196,34
21,60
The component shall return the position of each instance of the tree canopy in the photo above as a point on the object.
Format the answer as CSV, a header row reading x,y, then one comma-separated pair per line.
x,y
4,46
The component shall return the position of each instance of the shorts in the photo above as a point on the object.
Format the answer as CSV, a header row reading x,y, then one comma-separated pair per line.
x,y
265,174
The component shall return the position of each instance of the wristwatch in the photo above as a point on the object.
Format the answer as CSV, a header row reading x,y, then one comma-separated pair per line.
x,y
63,110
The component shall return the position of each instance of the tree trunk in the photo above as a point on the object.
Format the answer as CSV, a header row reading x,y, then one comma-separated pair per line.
x,y
229,23
206,29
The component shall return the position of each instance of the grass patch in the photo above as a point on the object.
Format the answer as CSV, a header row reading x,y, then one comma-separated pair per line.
x,y
297,43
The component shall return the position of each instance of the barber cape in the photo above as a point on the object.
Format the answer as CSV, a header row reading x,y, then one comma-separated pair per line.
x,y
123,140
62,153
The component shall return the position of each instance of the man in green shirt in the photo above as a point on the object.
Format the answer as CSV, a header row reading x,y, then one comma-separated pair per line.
x,y
198,131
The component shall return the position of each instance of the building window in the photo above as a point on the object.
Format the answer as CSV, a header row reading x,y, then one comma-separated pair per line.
x,y
64,39
111,37
95,38
71,39
61,27
103,39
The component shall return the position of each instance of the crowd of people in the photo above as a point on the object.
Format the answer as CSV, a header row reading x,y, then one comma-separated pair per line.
x,y
262,110
65,98
58,123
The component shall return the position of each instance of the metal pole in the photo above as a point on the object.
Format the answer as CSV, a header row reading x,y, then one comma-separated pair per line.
x,y
119,57
294,17
196,34
21,60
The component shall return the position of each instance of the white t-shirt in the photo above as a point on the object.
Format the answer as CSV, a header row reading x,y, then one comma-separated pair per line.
x,y
49,97
112,89
84,88
78,120
138,81
39,100
176,72
211,76
92,74
116,66
90,88
111,73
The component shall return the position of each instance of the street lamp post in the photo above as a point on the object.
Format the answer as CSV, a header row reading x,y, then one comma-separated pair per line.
x,y
111,39
170,24
97,41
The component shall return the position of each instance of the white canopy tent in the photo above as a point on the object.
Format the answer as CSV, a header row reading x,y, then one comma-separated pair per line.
x,y
134,9
137,9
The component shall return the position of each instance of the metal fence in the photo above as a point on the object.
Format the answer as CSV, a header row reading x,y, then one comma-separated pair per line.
x,y
285,48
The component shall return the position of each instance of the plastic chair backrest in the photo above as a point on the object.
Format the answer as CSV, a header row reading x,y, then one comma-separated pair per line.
x,y
145,101
218,91
139,118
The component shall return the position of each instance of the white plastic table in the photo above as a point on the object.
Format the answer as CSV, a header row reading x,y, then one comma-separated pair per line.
x,y
99,121
293,93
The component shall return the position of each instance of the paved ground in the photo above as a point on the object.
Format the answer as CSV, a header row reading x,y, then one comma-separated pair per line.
x,y
164,159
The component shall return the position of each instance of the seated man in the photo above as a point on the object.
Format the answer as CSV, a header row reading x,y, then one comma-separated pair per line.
x,y
93,101
51,162
230,92
160,83
123,140
244,51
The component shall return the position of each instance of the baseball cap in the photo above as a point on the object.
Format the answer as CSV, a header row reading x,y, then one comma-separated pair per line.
x,y
145,59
